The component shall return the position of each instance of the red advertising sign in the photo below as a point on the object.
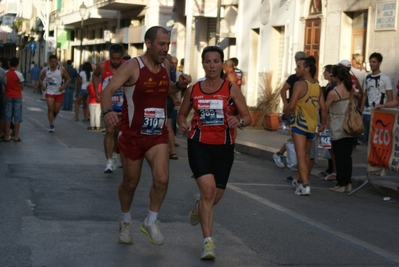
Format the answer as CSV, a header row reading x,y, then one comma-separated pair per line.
x,y
384,139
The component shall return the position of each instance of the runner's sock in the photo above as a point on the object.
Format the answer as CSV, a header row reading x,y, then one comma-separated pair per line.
x,y
126,217
151,217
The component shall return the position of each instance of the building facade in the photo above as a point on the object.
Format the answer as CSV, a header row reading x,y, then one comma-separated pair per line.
x,y
264,34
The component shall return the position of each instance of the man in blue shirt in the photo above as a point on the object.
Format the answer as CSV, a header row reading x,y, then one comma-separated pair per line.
x,y
34,74
67,102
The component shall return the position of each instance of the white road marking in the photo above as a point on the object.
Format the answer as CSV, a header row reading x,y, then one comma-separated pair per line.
x,y
323,227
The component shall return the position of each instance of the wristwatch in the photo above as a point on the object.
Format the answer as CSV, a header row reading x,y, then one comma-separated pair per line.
x,y
242,123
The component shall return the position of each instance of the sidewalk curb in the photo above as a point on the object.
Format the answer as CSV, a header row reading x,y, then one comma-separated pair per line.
x,y
266,152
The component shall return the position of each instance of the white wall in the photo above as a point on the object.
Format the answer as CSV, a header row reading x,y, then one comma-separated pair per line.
x,y
253,63
338,32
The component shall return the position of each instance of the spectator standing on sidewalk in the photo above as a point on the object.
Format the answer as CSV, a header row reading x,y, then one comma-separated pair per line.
x,y
230,74
239,72
84,80
3,82
211,139
67,103
94,107
171,102
51,82
278,157
180,70
331,171
142,131
303,108
177,98
357,93
105,71
357,69
13,100
378,90
34,76
337,105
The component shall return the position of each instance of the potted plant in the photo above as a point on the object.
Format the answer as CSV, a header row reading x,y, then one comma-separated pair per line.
x,y
255,113
269,102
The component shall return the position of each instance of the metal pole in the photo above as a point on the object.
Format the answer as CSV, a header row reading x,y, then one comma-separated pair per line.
x,y
189,22
81,42
47,18
217,39
40,48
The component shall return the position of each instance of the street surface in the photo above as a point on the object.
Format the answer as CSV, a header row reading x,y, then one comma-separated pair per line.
x,y
58,208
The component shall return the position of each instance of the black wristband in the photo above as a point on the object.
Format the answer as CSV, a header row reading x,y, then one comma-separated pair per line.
x,y
107,111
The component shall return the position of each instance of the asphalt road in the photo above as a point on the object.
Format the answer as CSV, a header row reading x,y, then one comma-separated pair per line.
x,y
58,208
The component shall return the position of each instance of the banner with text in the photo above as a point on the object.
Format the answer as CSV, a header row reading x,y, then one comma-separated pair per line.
x,y
383,150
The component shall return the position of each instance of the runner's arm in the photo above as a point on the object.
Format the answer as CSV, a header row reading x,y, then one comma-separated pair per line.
x,y
185,108
127,74
298,90
283,93
42,76
242,108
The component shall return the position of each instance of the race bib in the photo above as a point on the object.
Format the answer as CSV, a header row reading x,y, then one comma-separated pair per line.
x,y
153,122
325,139
117,100
51,81
211,112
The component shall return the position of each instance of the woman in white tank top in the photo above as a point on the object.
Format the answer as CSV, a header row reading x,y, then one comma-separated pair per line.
x,y
85,80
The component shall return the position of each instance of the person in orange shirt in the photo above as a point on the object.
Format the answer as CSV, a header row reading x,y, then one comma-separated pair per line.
x,y
230,74
13,100
94,107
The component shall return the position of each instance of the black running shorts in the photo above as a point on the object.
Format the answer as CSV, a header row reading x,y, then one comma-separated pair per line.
x,y
211,159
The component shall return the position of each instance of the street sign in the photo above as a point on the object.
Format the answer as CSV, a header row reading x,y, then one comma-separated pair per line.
x,y
51,44
32,46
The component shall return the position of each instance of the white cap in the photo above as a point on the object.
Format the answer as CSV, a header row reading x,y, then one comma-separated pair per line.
x,y
345,63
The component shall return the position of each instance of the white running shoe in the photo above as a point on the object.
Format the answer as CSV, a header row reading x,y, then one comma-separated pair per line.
x,y
125,235
117,160
114,161
278,159
208,250
153,232
109,166
303,191
193,216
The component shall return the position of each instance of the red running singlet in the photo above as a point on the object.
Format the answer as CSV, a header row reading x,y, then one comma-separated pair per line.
x,y
209,123
144,105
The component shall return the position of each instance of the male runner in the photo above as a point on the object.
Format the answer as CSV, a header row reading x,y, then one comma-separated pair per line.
x,y
54,85
143,132
106,69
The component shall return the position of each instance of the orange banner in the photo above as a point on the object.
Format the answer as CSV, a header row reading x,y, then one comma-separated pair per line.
x,y
384,139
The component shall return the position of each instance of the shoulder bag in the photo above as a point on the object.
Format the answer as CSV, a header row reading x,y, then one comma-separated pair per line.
x,y
353,124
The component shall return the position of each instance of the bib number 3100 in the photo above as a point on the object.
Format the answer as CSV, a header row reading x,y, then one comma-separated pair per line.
x,y
153,121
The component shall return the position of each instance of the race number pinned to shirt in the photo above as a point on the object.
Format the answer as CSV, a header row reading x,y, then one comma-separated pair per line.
x,y
117,97
117,100
154,120
211,112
